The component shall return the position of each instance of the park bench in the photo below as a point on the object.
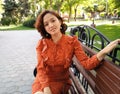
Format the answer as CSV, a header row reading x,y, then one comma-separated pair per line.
x,y
104,79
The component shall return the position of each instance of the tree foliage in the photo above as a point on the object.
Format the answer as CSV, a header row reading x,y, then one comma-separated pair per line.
x,y
23,9
10,8
19,10
15,11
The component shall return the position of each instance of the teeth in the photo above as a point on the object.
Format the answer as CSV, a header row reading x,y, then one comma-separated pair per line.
x,y
53,30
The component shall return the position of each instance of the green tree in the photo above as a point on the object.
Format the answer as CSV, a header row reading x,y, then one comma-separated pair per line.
x,y
117,4
95,6
68,7
1,10
57,4
76,4
52,4
36,6
23,10
0,6
10,9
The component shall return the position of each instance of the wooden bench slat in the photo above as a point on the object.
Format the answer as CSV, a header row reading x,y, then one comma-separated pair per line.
x,y
115,69
103,86
104,79
107,83
112,77
79,89
84,72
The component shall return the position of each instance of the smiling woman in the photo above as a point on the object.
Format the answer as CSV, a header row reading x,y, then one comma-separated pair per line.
x,y
55,52
52,26
40,23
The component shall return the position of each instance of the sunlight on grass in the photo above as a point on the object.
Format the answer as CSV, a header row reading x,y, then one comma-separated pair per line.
x,y
15,27
110,31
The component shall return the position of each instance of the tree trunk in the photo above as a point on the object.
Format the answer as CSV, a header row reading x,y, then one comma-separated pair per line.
x,y
75,13
70,11
50,4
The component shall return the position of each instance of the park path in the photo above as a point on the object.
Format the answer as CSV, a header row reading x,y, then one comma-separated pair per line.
x,y
17,61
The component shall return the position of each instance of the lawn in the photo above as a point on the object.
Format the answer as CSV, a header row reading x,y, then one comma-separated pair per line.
x,y
15,27
112,32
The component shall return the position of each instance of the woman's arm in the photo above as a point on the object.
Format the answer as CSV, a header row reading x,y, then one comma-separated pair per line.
x,y
41,83
39,92
92,62
107,49
46,91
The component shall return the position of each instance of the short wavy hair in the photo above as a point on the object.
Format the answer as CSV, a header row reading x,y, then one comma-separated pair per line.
x,y
39,25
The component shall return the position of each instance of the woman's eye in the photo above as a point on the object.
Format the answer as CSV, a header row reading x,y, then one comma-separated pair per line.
x,y
53,20
45,24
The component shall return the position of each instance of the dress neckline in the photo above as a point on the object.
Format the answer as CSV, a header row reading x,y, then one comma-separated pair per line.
x,y
59,41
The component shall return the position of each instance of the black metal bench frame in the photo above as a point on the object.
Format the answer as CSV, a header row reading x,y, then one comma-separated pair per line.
x,y
104,79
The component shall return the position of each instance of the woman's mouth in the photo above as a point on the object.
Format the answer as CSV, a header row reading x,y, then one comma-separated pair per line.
x,y
52,30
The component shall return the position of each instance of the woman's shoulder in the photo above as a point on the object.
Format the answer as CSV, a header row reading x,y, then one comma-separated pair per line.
x,y
41,43
71,38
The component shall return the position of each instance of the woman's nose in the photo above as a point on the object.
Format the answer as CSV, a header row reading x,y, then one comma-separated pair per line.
x,y
50,24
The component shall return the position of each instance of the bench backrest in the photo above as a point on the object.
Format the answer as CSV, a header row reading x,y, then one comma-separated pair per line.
x,y
105,79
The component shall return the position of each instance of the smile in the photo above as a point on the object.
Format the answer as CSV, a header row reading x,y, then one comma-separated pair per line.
x,y
52,30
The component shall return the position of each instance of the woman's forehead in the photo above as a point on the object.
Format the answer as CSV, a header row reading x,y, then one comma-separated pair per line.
x,y
48,17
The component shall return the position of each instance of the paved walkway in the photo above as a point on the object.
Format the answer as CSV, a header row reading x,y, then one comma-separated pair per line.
x,y
17,61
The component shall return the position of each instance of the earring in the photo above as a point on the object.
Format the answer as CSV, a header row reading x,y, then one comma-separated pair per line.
x,y
46,35
61,28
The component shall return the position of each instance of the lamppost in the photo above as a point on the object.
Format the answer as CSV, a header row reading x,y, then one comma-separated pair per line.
x,y
94,12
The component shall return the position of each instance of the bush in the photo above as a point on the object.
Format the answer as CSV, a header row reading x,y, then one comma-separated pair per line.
x,y
118,14
102,15
6,21
14,20
29,23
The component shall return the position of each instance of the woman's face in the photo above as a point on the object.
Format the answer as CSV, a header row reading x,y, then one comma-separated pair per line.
x,y
51,23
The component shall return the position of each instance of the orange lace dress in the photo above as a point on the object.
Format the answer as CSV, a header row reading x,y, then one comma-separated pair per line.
x,y
54,60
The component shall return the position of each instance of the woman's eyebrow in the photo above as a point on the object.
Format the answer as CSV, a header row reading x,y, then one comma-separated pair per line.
x,y
49,19
52,18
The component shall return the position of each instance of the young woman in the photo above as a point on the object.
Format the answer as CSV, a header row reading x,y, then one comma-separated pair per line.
x,y
54,53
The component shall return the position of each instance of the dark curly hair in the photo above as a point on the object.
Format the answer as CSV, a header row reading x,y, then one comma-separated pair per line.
x,y
39,25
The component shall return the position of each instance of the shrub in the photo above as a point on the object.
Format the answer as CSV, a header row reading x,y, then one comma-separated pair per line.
x,y
14,20
6,21
102,14
118,14
29,23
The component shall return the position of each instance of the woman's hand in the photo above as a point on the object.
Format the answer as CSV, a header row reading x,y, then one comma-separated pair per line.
x,y
39,92
47,90
108,49
111,46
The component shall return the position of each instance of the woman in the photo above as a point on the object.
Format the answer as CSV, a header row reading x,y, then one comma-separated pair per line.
x,y
54,53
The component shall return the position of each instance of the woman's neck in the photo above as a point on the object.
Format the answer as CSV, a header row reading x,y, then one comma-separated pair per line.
x,y
56,37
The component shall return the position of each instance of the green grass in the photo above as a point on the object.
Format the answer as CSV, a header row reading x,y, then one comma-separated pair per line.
x,y
15,27
112,32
